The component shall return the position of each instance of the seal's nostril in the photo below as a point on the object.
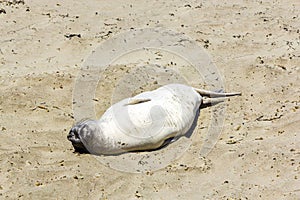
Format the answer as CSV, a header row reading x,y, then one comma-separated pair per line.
x,y
70,135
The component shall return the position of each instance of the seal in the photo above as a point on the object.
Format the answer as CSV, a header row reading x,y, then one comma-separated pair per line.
x,y
146,121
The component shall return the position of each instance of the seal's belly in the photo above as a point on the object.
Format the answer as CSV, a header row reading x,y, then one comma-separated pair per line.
x,y
171,110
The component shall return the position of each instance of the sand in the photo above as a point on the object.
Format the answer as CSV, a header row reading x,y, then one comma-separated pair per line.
x,y
255,46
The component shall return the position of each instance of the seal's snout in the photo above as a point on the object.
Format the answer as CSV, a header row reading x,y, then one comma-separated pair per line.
x,y
73,137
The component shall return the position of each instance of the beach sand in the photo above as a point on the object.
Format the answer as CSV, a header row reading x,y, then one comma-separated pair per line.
x,y
255,46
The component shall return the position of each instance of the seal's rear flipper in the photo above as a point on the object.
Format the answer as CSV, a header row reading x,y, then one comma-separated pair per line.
x,y
211,94
207,102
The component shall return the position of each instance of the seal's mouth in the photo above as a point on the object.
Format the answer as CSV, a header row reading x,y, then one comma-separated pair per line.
x,y
73,137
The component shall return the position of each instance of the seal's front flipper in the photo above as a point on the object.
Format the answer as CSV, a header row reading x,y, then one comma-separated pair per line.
x,y
136,101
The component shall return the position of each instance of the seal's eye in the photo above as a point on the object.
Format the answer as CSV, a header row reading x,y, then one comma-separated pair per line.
x,y
81,128
75,132
84,131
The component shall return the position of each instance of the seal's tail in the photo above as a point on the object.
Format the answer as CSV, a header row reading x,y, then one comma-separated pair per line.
x,y
211,94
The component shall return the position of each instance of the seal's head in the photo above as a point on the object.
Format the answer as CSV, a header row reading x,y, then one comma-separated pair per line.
x,y
86,137
75,136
